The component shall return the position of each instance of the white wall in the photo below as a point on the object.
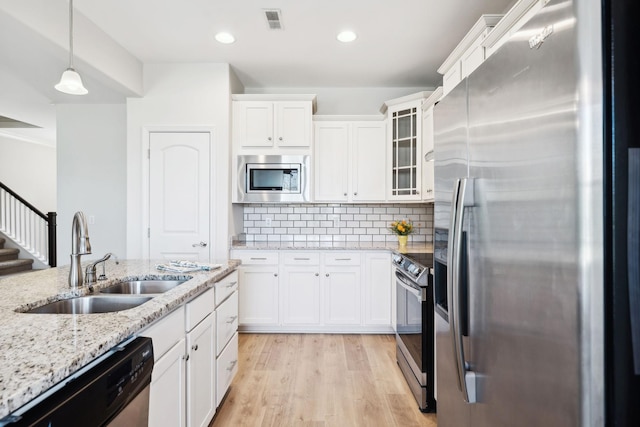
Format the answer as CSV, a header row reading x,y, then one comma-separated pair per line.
x,y
343,100
179,96
29,169
91,142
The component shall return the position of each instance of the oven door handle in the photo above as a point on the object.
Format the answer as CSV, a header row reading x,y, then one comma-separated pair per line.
x,y
463,196
415,292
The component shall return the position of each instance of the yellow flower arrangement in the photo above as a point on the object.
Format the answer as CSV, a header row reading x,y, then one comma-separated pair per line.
x,y
401,228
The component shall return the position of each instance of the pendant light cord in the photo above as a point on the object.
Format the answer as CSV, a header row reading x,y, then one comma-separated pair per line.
x,y
71,34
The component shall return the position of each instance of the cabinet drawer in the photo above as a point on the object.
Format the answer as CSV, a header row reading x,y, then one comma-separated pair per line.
x,y
256,257
199,308
301,258
225,287
342,258
227,367
226,321
166,332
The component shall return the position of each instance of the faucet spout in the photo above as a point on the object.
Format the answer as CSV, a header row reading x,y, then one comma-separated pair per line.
x,y
80,245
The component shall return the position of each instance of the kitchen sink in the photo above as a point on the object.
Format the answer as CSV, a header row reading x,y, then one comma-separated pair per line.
x,y
142,287
90,304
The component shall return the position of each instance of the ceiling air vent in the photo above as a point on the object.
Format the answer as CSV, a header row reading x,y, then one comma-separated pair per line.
x,y
273,19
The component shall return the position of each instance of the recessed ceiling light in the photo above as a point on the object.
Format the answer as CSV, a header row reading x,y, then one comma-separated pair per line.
x,y
346,36
225,38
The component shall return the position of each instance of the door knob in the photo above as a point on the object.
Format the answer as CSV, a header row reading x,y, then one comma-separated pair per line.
x,y
201,244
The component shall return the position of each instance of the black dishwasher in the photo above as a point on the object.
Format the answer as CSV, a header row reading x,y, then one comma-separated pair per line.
x,y
112,391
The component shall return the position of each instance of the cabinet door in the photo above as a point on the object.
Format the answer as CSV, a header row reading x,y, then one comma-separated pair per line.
x,y
258,295
368,158
300,295
253,123
201,373
331,161
427,158
377,289
406,151
293,124
341,287
167,395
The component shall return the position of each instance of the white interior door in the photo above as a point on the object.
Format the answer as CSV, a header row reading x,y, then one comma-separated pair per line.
x,y
179,192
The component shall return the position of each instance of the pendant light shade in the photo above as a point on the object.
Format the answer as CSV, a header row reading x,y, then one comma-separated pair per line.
x,y
71,82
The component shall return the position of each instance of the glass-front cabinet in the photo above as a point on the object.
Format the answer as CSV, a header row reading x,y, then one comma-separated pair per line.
x,y
405,145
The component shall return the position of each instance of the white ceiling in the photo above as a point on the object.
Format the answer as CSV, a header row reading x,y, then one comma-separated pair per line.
x,y
400,43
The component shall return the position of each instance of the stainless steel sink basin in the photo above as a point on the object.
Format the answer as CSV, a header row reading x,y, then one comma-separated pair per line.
x,y
90,304
142,287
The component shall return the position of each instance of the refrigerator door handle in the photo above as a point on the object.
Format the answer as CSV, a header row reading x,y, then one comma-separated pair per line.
x,y
464,197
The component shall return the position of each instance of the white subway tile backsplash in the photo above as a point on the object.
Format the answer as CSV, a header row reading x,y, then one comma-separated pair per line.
x,y
352,223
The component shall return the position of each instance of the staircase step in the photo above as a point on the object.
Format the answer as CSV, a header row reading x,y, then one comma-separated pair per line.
x,y
9,254
2,240
15,266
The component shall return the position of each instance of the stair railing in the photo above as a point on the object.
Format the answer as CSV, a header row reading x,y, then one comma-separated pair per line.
x,y
27,226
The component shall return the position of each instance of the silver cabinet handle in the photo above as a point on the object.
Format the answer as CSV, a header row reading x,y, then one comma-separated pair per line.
x,y
327,275
317,274
345,194
231,285
280,139
429,156
275,274
232,364
343,259
232,319
355,194
258,259
201,244
194,347
269,139
301,259
462,197
186,357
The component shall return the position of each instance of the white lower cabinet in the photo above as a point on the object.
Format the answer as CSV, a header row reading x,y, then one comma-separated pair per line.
x,y
185,388
341,286
226,354
319,291
300,288
167,396
227,367
378,293
201,373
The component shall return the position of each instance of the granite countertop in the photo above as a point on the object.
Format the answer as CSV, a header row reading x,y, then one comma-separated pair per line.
x,y
40,350
390,246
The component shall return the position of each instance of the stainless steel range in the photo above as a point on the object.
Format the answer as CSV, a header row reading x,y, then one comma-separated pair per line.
x,y
415,327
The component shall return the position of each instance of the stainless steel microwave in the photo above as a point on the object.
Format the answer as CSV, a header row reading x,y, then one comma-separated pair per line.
x,y
273,179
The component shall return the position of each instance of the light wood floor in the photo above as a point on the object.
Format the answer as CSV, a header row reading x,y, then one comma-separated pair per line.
x,y
320,381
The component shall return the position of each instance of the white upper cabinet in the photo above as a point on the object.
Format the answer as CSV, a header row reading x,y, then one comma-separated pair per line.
x,y
349,157
428,145
468,54
404,147
279,123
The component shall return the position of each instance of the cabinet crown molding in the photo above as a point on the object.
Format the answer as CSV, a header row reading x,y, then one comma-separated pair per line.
x,y
407,98
485,21
519,9
277,97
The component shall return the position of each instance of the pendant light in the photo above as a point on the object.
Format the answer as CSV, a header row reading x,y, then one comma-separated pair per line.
x,y
71,82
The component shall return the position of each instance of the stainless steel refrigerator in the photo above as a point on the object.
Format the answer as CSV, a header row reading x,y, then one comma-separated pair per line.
x,y
537,176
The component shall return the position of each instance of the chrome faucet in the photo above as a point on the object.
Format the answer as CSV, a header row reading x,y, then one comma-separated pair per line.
x,y
90,272
80,245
